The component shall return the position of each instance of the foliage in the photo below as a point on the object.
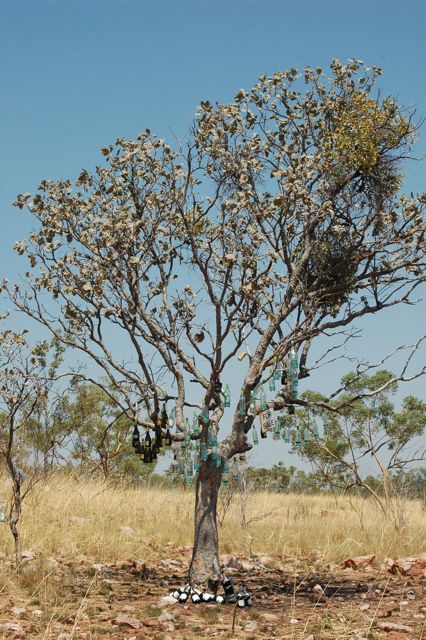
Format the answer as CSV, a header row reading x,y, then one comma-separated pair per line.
x,y
368,425
99,433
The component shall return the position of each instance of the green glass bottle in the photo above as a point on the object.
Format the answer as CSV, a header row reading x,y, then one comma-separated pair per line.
x,y
225,473
195,425
255,436
262,398
242,406
205,414
227,396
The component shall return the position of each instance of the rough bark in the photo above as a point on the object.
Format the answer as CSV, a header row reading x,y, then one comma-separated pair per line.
x,y
204,570
15,510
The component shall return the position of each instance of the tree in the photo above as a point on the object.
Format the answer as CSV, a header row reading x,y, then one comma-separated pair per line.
x,y
31,425
369,428
276,223
99,432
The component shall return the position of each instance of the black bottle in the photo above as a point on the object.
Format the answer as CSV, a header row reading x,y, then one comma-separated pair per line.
x,y
147,448
136,442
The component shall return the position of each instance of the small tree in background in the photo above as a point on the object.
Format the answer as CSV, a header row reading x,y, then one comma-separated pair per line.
x,y
31,419
99,433
276,224
368,429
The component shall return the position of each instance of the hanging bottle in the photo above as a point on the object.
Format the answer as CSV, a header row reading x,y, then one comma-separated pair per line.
x,y
164,418
168,438
271,380
276,431
136,442
225,473
287,434
242,405
262,398
204,452
196,459
172,418
195,425
205,414
255,436
298,437
315,430
235,470
262,425
187,434
306,436
147,448
227,396
277,371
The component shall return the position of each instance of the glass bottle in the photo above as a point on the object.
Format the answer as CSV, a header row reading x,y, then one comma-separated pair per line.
x,y
195,425
225,473
227,396
205,414
242,405
262,398
255,436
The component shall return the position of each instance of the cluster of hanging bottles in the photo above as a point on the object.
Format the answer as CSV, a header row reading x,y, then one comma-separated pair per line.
x,y
199,442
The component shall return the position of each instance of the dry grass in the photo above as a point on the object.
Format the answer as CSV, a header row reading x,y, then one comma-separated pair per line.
x,y
69,516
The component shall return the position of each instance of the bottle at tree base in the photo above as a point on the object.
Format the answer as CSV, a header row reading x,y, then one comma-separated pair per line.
x,y
229,590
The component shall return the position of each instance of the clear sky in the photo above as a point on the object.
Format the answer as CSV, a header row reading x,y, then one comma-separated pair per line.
x,y
75,75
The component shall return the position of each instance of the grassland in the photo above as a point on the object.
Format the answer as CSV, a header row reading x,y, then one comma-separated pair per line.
x,y
74,516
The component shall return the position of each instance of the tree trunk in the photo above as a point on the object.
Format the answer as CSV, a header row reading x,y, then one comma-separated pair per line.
x,y
15,510
204,570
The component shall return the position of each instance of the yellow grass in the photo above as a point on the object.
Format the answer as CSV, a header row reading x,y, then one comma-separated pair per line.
x,y
288,525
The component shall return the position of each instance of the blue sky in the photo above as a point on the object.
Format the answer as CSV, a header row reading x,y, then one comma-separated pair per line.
x,y
76,75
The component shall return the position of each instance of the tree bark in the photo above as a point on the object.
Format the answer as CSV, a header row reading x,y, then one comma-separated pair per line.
x,y
15,510
204,570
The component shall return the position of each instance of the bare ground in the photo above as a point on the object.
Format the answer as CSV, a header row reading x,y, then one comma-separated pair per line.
x,y
75,598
